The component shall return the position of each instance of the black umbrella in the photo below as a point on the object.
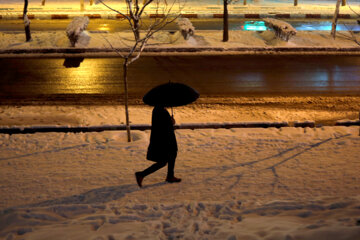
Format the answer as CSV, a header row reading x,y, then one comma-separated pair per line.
x,y
171,95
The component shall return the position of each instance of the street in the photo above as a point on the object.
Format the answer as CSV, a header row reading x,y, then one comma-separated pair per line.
x,y
211,76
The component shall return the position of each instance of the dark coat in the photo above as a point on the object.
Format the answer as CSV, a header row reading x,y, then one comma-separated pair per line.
x,y
163,144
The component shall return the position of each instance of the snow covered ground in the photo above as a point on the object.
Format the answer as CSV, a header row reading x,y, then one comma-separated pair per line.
x,y
202,38
287,183
321,109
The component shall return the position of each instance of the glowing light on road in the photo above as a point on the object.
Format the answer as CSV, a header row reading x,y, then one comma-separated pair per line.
x,y
104,27
81,80
302,26
254,26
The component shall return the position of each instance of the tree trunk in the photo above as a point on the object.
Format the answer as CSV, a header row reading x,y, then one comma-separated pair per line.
x,y
343,3
125,66
136,30
295,2
43,3
244,2
26,22
91,2
334,22
226,22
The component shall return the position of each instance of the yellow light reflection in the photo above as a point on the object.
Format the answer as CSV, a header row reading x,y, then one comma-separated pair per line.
x,y
104,27
85,79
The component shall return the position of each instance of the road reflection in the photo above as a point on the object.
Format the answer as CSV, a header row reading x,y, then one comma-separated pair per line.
x,y
216,75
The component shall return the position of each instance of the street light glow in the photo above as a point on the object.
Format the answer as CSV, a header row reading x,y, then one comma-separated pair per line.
x,y
104,27
254,26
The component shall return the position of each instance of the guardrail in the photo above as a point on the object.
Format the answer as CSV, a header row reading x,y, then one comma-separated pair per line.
x,y
143,127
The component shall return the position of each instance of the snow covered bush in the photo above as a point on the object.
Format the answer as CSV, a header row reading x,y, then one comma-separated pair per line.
x,y
186,27
75,31
282,29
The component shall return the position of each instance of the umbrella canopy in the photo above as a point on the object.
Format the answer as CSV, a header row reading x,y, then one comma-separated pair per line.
x,y
171,95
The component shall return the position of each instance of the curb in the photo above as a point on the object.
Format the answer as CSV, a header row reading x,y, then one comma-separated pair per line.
x,y
46,16
348,123
109,52
143,127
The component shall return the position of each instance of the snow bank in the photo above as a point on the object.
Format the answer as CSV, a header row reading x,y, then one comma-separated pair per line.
x,y
319,109
202,38
283,30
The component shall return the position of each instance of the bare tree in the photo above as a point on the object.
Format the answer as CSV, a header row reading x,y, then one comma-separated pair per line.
x,y
295,2
42,2
134,16
343,3
353,36
26,22
226,19
335,19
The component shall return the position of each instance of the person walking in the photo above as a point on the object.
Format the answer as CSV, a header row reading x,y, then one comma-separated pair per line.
x,y
163,146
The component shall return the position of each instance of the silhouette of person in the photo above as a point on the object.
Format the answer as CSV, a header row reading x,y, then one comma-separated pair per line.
x,y
163,146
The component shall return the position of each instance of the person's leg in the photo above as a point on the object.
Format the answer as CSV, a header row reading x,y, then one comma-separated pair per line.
x,y
171,166
152,168
170,175
140,175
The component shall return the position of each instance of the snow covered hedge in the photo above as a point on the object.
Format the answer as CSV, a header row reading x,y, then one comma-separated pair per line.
x,y
283,30
75,31
186,27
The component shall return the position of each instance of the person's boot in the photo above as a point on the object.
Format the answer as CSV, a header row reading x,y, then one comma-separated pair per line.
x,y
173,179
139,178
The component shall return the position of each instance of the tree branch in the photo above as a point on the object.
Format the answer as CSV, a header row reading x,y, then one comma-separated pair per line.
x,y
117,52
353,11
144,6
112,9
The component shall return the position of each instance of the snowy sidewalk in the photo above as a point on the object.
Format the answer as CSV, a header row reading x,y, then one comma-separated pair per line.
x,y
56,44
237,184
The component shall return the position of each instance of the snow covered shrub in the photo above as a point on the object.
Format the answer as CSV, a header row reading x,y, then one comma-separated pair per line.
x,y
186,27
75,31
283,30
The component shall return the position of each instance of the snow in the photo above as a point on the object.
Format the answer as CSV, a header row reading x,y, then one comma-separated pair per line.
x,y
202,38
282,29
186,27
321,109
75,31
287,183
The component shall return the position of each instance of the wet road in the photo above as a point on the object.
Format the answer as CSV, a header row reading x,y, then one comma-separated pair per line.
x,y
230,75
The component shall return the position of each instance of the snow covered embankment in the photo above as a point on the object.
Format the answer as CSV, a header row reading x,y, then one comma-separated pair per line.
x,y
202,41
